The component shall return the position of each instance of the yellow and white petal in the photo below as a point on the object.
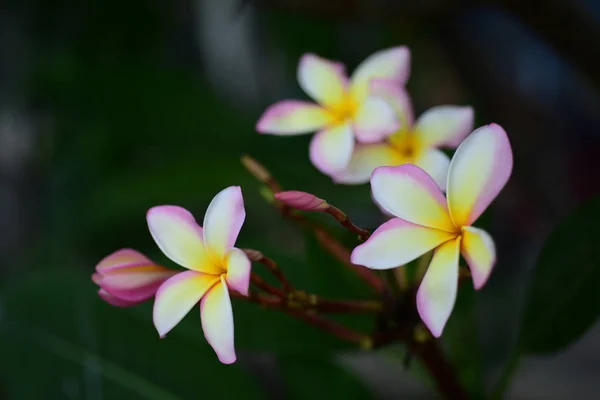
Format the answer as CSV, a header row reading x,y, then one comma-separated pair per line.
x,y
397,97
397,242
374,120
330,150
393,64
479,250
478,171
407,192
223,221
435,163
238,271
323,80
444,126
179,237
437,293
292,117
217,322
176,297
365,158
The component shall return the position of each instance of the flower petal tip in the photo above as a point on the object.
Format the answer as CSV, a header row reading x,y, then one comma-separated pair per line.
x,y
302,200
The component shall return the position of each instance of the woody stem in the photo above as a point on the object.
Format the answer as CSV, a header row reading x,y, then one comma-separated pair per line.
x,y
257,256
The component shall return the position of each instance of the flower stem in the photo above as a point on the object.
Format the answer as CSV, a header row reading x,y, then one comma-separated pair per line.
x,y
328,242
261,284
344,220
257,256
332,327
431,355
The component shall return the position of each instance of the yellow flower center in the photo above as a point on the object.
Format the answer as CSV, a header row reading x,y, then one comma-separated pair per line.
x,y
343,111
406,144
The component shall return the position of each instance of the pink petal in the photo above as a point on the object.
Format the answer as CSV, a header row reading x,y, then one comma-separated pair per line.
x,y
444,126
435,163
437,294
323,80
122,258
365,158
407,192
374,121
301,200
113,301
397,97
238,271
331,149
135,283
292,117
478,249
217,322
478,171
223,221
176,297
391,64
177,234
397,242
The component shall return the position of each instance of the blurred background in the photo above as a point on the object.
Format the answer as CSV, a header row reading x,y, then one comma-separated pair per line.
x,y
109,107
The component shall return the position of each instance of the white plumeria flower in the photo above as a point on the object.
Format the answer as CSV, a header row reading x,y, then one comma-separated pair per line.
x,y
427,220
415,142
214,265
346,110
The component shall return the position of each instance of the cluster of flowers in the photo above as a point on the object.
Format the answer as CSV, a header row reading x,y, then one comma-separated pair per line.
x,y
366,133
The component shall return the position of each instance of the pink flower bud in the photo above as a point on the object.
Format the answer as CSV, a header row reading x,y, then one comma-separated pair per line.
x,y
302,200
127,278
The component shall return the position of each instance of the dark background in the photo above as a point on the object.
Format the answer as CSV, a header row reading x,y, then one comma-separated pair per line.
x,y
110,107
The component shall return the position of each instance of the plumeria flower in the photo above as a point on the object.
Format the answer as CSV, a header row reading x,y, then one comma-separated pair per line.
x,y
346,110
425,220
214,265
127,278
415,142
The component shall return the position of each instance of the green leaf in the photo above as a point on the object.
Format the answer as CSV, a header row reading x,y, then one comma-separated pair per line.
x,y
563,299
310,378
58,339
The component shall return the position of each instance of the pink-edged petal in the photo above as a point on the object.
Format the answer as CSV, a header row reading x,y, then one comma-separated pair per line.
x,y
396,243
217,322
407,192
177,234
97,278
374,120
437,293
435,163
444,126
323,80
393,64
176,297
135,283
223,221
478,249
292,117
365,158
397,97
122,258
238,271
478,171
113,301
301,200
331,149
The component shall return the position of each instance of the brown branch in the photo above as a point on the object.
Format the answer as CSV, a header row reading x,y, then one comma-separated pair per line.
x,y
257,256
328,242
343,219
431,355
331,327
261,284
